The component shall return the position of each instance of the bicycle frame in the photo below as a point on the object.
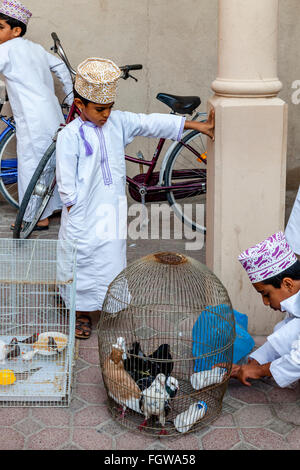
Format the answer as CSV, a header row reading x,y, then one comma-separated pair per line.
x,y
145,186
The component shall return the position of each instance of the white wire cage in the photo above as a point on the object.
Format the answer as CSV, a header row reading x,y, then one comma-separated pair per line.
x,y
37,322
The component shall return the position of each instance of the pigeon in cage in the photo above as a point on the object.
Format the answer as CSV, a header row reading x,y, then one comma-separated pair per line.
x,y
155,400
121,386
140,366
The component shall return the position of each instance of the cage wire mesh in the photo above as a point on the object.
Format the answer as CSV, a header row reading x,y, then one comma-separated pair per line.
x,y
37,322
165,336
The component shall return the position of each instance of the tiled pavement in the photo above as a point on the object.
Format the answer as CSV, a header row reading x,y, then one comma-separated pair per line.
x,y
262,416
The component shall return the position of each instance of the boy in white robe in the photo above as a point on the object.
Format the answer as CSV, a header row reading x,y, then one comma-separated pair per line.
x,y
27,68
91,179
274,272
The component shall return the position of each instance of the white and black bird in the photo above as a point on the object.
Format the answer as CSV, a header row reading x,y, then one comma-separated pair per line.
x,y
155,400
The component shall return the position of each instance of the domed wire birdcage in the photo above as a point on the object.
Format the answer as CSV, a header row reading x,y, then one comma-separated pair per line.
x,y
166,335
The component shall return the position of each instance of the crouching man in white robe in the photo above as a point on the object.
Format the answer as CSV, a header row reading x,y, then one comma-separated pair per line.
x,y
91,178
274,272
27,68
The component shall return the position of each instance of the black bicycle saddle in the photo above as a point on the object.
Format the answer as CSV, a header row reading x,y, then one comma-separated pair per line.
x,y
180,104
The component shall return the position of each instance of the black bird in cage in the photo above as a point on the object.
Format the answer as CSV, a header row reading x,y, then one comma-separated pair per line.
x,y
144,369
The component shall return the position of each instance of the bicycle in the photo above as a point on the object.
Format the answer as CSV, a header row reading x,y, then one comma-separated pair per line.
x,y
182,174
8,159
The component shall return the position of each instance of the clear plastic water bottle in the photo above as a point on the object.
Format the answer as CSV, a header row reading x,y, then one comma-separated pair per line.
x,y
184,421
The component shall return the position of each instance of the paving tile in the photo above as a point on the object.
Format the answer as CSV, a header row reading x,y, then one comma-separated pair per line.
x,y
92,342
80,364
254,416
230,405
76,404
265,439
52,416
247,394
243,446
11,439
220,439
224,420
157,445
90,355
90,439
91,416
293,439
90,375
49,439
10,415
283,395
134,440
279,426
93,394
28,426
288,413
112,428
188,442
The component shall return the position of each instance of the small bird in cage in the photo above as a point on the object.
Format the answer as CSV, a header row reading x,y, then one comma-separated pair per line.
x,y
47,344
9,351
155,400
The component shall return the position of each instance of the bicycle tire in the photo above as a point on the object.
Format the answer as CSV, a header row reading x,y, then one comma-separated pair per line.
x,y
8,187
24,228
182,158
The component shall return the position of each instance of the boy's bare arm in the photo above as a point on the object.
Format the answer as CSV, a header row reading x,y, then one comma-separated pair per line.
x,y
207,127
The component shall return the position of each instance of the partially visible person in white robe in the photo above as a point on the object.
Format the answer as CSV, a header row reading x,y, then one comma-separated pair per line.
x,y
292,230
91,179
27,69
275,273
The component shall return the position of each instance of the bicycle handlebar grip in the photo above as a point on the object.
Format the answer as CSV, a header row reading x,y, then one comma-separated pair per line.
x,y
132,67
55,37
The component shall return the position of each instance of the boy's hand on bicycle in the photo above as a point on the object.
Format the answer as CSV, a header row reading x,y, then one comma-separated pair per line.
x,y
207,127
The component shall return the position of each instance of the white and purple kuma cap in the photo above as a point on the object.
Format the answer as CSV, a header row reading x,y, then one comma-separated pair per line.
x,y
268,258
15,9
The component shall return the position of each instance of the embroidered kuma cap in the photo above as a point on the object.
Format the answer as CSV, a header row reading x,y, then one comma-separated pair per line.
x,y
15,9
96,80
268,258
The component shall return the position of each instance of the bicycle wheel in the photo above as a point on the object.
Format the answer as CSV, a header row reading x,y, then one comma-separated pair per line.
x,y
8,168
37,195
187,170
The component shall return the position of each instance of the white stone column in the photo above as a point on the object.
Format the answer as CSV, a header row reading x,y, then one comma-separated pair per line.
x,y
247,161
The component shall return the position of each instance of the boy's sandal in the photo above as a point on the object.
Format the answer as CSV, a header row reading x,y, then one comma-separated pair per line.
x,y
37,228
83,327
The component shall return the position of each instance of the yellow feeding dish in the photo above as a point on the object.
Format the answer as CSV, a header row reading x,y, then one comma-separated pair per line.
x,y
7,377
